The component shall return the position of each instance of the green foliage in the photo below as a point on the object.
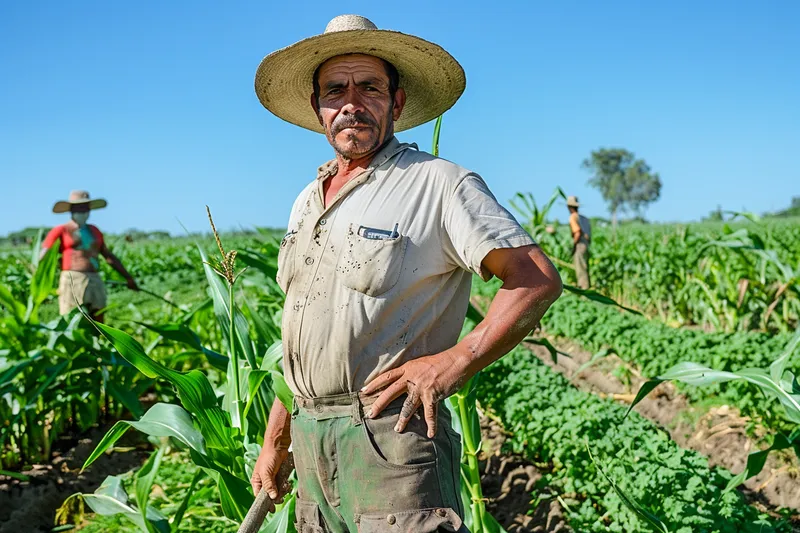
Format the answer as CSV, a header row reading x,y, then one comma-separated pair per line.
x,y
726,277
552,422
777,383
180,491
626,183
654,348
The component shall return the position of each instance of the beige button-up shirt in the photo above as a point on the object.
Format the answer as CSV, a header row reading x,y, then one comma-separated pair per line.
x,y
382,275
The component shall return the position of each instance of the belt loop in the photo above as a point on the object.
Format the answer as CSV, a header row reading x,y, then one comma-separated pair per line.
x,y
357,410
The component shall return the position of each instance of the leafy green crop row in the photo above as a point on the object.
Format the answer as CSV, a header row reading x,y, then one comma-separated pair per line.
x,y
730,277
654,347
558,425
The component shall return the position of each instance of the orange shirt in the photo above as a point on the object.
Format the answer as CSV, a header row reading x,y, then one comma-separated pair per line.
x,y
86,242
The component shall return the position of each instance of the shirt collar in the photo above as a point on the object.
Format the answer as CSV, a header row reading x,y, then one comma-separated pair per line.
x,y
390,149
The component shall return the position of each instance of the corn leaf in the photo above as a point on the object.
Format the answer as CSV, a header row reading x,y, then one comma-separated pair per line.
x,y
161,420
144,483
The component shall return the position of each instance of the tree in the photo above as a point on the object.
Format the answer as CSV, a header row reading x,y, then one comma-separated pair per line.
x,y
625,182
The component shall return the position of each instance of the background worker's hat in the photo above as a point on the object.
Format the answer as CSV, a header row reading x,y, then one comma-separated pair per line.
x,y
432,79
78,198
572,201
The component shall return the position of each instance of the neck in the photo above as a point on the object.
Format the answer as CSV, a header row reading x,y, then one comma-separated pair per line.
x,y
347,166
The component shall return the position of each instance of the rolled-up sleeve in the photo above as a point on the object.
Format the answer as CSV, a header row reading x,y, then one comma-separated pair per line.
x,y
476,224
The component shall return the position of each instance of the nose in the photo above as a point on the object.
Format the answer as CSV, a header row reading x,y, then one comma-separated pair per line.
x,y
353,103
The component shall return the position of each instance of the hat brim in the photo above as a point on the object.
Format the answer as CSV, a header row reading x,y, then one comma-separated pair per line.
x,y
65,206
432,79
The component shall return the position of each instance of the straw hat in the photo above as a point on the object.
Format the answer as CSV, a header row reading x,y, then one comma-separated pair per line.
x,y
572,201
78,198
432,78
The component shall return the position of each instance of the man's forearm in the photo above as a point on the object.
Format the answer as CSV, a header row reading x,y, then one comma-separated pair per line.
x,y
278,433
116,264
516,309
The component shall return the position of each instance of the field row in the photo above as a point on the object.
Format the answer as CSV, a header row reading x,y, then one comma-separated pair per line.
x,y
561,428
653,348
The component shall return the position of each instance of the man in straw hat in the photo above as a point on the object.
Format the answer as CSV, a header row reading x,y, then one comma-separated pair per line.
x,y
376,266
80,244
581,238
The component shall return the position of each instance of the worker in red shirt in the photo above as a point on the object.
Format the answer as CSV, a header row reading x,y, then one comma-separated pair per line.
x,y
80,244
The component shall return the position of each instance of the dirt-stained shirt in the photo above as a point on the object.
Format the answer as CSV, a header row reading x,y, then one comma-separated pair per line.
x,y
382,274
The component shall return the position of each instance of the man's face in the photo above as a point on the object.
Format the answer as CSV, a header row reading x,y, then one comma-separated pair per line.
x,y
355,106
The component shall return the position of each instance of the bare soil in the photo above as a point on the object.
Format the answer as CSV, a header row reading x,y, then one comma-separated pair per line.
x,y
719,433
508,484
30,506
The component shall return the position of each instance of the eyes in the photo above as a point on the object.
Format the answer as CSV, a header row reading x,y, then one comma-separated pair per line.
x,y
367,88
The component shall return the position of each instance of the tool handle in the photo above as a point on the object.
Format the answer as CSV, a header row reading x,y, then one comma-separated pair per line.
x,y
257,513
263,503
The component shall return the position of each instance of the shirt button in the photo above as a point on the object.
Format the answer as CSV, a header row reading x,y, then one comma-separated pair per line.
x,y
391,519
309,261
323,222
318,408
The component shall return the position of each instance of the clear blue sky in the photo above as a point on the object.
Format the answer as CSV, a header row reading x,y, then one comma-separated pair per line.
x,y
151,104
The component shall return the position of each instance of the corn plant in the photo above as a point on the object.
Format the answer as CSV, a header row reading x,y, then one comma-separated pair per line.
x,y
776,382
221,435
54,377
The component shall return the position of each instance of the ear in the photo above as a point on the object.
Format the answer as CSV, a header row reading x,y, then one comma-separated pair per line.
x,y
399,103
315,107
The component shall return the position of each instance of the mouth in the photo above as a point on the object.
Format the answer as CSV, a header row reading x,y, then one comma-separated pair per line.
x,y
356,127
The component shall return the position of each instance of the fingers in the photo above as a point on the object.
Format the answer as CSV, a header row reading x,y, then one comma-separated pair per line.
x,y
384,380
386,397
413,401
255,483
269,486
431,412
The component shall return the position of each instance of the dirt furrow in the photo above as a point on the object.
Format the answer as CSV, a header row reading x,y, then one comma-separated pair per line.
x,y
719,434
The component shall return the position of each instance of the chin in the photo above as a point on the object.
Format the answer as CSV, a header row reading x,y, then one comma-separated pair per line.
x,y
352,146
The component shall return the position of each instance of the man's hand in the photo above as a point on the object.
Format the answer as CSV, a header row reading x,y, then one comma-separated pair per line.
x,y
132,284
265,473
277,439
427,380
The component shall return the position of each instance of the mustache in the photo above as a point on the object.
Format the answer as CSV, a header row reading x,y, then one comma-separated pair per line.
x,y
351,120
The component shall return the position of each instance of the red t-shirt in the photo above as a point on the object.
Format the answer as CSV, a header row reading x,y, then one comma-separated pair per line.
x,y
75,242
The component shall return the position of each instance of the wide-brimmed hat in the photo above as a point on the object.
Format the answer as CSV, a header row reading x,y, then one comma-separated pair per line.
x,y
78,198
432,79
572,201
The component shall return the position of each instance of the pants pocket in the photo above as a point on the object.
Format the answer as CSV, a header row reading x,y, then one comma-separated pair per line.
x,y
420,521
308,517
411,449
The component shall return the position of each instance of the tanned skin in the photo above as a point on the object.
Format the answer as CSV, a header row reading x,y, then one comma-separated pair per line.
x,y
81,262
358,112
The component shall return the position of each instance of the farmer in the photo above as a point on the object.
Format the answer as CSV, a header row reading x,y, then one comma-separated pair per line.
x,y
376,266
80,244
581,238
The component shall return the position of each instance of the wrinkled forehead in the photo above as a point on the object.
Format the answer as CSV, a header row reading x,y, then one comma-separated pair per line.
x,y
360,65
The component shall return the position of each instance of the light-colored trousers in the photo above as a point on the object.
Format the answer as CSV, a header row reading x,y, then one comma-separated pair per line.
x,y
80,288
581,262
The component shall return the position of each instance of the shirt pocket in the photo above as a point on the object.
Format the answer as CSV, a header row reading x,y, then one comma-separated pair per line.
x,y
372,259
286,260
